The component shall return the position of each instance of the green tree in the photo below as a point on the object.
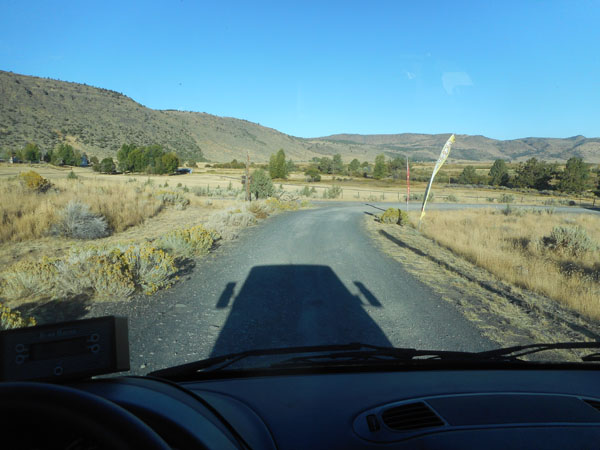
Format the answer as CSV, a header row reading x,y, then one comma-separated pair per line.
x,y
94,161
123,157
65,155
48,156
261,185
325,165
380,169
354,167
499,173
31,152
468,176
170,162
366,168
597,190
534,174
312,174
107,165
337,165
278,165
291,167
575,177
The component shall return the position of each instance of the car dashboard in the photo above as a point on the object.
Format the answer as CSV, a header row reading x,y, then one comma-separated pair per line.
x,y
511,408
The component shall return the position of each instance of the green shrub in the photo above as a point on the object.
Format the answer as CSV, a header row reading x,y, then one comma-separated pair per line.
x,y
506,198
571,240
72,176
333,192
34,181
394,216
261,185
452,198
306,191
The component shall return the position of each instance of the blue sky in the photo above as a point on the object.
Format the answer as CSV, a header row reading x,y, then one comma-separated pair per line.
x,y
499,68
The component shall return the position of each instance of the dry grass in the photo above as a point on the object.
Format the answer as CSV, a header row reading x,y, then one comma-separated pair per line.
x,y
510,246
28,214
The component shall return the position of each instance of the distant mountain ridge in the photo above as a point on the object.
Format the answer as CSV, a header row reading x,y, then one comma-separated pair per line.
x,y
478,148
98,121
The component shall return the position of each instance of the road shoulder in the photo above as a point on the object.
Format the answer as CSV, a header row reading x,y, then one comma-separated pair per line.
x,y
505,314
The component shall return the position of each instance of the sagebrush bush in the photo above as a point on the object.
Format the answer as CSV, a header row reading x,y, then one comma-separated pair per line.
x,y
97,270
233,217
282,205
452,198
29,279
189,242
78,222
216,192
259,210
394,216
176,199
34,181
113,272
333,192
506,198
152,268
571,240
12,319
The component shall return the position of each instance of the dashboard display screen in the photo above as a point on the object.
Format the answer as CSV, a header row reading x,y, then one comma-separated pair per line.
x,y
58,349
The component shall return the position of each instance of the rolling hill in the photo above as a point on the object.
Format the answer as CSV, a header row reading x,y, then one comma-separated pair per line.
x,y
98,121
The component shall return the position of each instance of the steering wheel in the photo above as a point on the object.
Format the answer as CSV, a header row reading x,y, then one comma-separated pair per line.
x,y
34,413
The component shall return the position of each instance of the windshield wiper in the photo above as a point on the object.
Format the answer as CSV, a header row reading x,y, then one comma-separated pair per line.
x,y
221,362
357,354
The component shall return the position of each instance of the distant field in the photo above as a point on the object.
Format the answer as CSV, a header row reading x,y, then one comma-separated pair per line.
x,y
353,188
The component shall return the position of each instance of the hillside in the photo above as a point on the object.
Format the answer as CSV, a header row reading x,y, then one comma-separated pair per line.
x,y
99,121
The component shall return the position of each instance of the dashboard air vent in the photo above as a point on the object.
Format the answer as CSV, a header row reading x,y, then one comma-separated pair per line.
x,y
411,416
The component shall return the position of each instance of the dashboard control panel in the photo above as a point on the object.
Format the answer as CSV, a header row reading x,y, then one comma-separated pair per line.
x,y
66,350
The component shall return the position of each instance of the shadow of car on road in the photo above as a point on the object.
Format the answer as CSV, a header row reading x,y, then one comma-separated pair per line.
x,y
295,305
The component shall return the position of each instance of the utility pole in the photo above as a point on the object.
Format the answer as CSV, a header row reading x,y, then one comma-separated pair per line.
x,y
248,198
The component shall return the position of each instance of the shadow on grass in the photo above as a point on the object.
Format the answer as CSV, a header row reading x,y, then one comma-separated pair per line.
x,y
52,311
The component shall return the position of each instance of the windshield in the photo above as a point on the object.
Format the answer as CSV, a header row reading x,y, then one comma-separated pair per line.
x,y
244,176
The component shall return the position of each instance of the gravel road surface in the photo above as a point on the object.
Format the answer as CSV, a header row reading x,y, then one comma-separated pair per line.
x,y
302,278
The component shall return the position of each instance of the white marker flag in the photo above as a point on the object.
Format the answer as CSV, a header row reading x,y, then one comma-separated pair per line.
x,y
441,160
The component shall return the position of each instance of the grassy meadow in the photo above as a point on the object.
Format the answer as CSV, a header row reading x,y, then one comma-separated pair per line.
x,y
528,249
81,235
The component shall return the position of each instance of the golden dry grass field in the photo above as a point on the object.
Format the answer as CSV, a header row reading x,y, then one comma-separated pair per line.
x,y
520,247
83,235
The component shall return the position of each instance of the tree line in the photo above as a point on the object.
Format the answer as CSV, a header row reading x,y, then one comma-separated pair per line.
x,y
130,157
575,178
